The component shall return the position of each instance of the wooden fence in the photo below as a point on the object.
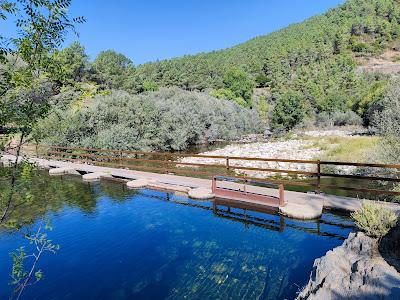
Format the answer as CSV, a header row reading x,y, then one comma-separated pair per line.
x,y
172,163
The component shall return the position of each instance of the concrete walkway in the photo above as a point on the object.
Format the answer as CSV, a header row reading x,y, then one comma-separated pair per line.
x,y
299,205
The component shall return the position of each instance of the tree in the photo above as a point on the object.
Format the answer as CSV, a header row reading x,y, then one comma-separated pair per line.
x,y
240,84
68,65
289,111
112,69
42,25
387,122
42,28
6,8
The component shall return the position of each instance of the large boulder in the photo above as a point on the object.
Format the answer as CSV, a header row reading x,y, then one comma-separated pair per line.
x,y
354,270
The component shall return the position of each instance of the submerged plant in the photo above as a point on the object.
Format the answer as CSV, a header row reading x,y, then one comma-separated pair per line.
x,y
374,219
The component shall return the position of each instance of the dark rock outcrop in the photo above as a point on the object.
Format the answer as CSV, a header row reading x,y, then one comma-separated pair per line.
x,y
389,247
354,270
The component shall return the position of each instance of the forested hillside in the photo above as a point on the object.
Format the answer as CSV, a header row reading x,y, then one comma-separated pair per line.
x,y
316,58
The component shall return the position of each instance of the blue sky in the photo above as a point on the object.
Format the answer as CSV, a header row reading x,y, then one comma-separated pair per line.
x,y
147,30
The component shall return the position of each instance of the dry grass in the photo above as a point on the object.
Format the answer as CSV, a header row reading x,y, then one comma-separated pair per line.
x,y
336,148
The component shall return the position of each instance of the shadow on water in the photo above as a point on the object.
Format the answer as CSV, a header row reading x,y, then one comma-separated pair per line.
x,y
144,244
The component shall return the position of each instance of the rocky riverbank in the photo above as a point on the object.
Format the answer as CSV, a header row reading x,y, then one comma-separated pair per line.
x,y
291,149
354,270
306,145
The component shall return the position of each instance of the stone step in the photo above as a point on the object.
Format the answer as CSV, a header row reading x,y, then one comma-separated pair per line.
x,y
138,183
95,176
298,211
63,171
168,187
201,194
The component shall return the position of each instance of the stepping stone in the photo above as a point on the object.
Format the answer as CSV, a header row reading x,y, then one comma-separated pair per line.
x,y
9,160
168,187
63,171
95,176
302,211
201,194
6,163
138,183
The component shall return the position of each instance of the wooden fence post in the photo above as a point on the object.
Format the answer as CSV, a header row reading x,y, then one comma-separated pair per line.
x,y
281,195
227,163
319,177
214,185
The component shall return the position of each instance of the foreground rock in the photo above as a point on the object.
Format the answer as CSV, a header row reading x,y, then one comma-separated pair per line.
x,y
354,270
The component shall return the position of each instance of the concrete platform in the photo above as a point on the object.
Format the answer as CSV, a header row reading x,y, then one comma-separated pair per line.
x,y
299,205
95,176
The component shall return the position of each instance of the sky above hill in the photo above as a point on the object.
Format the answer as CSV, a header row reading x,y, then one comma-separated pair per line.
x,y
148,30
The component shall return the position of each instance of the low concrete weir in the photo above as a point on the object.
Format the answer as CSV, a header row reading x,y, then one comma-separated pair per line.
x,y
299,205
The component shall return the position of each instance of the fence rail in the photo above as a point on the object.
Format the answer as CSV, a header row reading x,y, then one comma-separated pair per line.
x,y
172,163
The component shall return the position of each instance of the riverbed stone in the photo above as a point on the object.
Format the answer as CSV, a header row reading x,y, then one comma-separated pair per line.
x,y
201,194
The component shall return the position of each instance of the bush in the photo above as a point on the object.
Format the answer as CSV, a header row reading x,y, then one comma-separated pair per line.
x,y
374,220
346,118
169,119
338,119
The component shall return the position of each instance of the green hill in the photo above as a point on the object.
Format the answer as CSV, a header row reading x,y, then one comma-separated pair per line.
x,y
316,58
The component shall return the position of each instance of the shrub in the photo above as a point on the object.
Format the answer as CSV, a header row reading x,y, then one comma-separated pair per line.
x,y
338,119
169,119
346,118
374,220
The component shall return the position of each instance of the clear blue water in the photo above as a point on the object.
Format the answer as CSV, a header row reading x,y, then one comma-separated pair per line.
x,y
122,244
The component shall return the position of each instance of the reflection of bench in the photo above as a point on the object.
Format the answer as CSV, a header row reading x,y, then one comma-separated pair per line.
x,y
249,191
